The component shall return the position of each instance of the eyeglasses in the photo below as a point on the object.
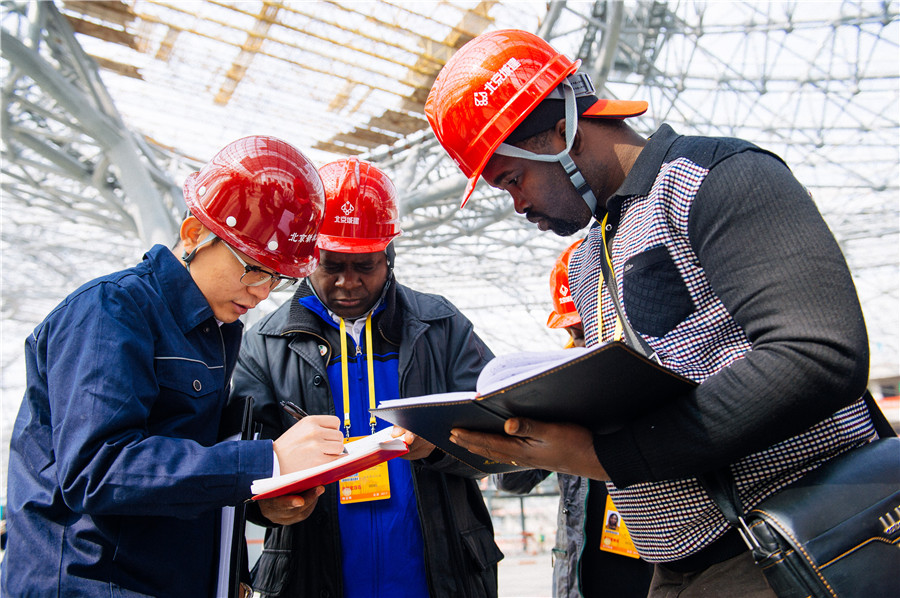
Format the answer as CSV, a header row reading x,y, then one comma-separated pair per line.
x,y
254,276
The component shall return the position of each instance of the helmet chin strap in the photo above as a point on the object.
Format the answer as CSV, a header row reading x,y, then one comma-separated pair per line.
x,y
562,157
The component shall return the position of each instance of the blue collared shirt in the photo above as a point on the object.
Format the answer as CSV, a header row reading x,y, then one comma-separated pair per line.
x,y
382,548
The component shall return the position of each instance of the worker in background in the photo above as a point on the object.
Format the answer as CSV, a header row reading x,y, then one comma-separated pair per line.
x,y
590,558
116,478
723,269
349,338
564,314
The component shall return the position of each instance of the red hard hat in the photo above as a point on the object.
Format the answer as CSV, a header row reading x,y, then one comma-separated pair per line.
x,y
564,313
361,212
262,196
489,86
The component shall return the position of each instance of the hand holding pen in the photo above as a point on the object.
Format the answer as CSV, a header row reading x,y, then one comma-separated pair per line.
x,y
314,440
293,410
297,413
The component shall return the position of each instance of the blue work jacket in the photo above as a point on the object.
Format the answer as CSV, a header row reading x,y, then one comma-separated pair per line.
x,y
116,478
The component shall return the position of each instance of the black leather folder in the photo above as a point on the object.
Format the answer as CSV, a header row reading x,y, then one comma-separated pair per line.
x,y
601,389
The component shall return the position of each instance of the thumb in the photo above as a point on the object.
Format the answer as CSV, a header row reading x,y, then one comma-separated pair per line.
x,y
518,426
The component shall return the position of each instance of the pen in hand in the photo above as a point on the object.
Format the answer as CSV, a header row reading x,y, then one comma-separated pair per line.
x,y
293,410
297,413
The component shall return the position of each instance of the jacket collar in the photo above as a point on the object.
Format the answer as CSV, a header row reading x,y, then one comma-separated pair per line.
x,y
182,295
643,172
400,306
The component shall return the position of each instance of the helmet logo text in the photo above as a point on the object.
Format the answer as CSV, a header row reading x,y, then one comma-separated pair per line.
x,y
496,80
347,209
298,238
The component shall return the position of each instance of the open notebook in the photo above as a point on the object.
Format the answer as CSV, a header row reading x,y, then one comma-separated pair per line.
x,y
601,388
362,454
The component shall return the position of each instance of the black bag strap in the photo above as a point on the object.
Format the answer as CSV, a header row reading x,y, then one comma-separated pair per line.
x,y
722,488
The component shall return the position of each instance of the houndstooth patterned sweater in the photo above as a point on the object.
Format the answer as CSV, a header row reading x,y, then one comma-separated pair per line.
x,y
727,270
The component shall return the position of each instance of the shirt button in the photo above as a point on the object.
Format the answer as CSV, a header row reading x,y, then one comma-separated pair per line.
x,y
197,386
608,227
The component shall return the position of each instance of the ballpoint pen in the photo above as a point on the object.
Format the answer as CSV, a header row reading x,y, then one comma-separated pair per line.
x,y
298,414
293,410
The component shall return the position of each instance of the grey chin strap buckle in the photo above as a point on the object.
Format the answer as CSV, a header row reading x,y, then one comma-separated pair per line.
x,y
581,84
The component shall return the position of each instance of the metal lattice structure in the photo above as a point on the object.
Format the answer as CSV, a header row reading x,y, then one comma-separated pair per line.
x,y
107,105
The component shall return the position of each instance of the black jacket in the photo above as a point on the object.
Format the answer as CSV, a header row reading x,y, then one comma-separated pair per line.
x,y
438,352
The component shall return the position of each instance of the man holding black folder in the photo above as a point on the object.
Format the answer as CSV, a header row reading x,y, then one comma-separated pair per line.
x,y
719,265
352,337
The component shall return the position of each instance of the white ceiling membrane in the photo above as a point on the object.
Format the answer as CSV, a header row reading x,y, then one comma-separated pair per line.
x,y
108,105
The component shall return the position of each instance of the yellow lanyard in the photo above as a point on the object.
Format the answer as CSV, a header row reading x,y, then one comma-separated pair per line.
x,y
617,333
370,368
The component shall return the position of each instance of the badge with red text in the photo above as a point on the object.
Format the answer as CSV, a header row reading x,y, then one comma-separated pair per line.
x,y
615,537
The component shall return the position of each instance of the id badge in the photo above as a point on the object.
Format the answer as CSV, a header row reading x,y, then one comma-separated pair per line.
x,y
370,484
615,537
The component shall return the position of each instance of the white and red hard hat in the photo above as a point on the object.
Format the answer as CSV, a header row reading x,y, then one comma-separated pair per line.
x,y
264,197
361,210
491,85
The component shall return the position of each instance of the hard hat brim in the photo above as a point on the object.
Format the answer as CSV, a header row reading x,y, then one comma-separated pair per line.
x,y
555,320
616,108
353,244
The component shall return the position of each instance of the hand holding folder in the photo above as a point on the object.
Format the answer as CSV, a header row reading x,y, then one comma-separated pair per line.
x,y
600,389
289,509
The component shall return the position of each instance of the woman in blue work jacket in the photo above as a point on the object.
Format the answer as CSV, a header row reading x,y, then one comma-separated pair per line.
x,y
116,473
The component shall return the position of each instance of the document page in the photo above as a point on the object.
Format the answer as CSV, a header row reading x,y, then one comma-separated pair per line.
x,y
444,397
506,370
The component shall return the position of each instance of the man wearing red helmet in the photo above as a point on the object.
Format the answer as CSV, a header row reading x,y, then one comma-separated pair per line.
x,y
351,337
724,271
116,475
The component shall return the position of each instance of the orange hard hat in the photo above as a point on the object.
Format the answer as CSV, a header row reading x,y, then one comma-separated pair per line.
x,y
564,313
361,211
491,84
262,196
